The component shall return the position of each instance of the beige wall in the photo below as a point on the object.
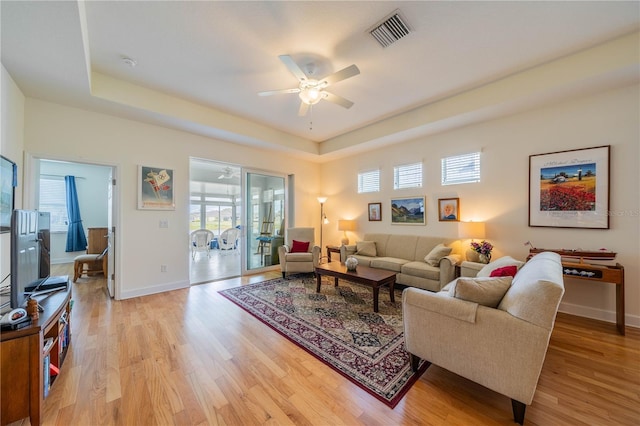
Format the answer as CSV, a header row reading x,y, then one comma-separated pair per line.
x,y
12,110
501,199
60,132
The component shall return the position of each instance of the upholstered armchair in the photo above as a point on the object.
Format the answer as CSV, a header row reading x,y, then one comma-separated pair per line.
x,y
501,347
299,253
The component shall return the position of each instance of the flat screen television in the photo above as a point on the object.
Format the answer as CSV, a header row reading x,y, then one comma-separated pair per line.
x,y
29,254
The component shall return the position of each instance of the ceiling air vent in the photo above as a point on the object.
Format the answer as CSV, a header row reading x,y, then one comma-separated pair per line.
x,y
390,30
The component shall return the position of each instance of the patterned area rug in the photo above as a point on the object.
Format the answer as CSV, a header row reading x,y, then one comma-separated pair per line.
x,y
339,327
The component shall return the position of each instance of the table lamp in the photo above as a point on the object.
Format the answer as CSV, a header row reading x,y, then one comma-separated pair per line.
x,y
471,231
346,225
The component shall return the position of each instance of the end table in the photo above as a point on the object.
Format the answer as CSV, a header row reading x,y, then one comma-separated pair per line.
x,y
333,249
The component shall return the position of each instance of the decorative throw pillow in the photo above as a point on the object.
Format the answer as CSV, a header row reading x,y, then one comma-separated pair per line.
x,y
505,271
483,291
437,253
366,248
299,247
499,263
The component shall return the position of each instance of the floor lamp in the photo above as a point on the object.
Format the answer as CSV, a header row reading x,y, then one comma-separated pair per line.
x,y
323,221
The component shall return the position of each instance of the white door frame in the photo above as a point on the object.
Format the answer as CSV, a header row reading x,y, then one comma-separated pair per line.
x,y
31,173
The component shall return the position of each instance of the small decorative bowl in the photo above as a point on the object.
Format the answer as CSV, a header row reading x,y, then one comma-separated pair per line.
x,y
351,263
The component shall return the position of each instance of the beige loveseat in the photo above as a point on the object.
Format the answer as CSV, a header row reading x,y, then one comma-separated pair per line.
x,y
405,254
501,348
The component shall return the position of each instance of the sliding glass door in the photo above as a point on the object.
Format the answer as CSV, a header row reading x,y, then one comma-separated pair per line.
x,y
265,207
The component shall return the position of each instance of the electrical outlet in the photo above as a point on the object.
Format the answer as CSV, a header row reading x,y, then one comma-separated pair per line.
x,y
164,223
163,268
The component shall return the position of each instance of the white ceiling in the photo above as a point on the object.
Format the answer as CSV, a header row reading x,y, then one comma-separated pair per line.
x,y
201,64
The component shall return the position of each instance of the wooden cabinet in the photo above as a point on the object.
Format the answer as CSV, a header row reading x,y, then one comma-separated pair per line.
x,y
26,354
97,240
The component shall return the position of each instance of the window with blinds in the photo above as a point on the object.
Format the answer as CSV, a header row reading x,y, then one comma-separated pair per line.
x,y
53,199
407,176
463,168
369,181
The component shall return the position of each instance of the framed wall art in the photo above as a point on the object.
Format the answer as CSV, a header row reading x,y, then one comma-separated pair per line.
x,y
155,188
407,211
449,209
570,189
375,212
8,182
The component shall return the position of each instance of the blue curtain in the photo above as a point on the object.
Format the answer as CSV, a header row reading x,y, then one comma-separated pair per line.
x,y
76,239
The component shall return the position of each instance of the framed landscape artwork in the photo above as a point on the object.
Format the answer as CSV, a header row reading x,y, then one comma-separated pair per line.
x,y
155,188
570,189
375,212
449,209
407,211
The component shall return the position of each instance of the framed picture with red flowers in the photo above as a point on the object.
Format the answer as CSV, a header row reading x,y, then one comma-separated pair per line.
x,y
570,189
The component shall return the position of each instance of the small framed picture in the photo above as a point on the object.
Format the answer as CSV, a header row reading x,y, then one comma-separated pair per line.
x,y
155,188
375,212
449,209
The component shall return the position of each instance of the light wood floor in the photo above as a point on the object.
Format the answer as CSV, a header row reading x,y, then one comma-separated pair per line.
x,y
191,357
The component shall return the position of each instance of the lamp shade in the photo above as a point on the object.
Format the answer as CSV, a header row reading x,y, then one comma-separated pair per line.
x,y
346,225
471,230
322,200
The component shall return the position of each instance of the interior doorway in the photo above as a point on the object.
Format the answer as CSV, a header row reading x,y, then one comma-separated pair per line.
x,y
97,199
215,206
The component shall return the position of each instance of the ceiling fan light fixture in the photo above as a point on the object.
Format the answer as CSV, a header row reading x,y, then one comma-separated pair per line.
x,y
311,95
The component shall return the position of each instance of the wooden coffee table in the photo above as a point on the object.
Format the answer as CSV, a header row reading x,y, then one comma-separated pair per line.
x,y
373,277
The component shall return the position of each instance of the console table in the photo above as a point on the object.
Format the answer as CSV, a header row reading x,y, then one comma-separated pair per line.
x,y
612,274
26,354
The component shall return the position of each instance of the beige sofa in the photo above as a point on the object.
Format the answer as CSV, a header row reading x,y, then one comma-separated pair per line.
x,y
405,255
501,348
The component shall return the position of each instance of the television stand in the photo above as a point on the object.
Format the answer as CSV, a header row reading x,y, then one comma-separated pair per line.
x,y
29,354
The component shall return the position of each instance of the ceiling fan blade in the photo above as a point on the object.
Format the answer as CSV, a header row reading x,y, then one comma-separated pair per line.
x,y
342,74
339,100
275,92
293,67
303,109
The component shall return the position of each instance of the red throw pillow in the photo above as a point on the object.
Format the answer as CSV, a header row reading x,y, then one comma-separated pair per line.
x,y
505,271
299,247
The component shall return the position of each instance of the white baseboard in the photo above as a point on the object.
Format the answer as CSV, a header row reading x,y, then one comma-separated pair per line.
x,y
598,314
155,289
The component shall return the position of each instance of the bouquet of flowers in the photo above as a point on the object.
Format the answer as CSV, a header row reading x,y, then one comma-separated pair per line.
x,y
483,247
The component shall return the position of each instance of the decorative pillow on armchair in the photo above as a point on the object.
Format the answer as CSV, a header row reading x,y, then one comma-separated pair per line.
x,y
299,246
366,248
499,263
483,291
437,253
505,271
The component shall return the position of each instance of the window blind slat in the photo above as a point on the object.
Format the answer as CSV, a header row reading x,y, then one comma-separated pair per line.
x,y
369,181
459,169
407,176
53,199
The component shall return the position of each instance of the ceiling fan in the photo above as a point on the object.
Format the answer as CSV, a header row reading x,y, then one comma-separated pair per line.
x,y
312,91
227,173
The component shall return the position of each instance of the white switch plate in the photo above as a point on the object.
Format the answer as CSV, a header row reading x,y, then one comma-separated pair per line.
x,y
164,223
